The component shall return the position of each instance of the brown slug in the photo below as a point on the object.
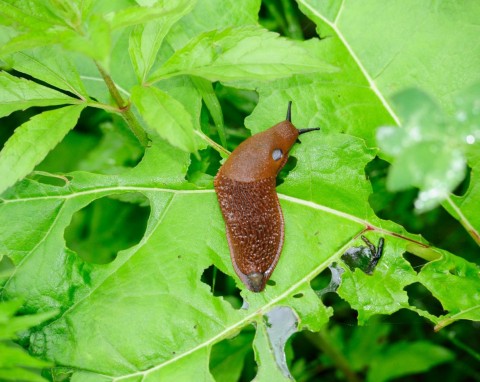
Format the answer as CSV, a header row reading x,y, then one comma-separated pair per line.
x,y
245,187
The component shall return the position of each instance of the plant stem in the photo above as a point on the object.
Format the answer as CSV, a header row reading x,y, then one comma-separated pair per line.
x,y
124,107
223,151
323,341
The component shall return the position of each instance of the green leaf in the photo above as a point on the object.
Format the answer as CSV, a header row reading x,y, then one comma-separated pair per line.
x,y
464,208
31,15
165,116
32,141
242,53
264,356
15,363
146,40
389,61
211,101
180,242
435,178
368,295
59,23
429,149
405,358
163,10
467,107
96,43
227,359
154,317
20,94
448,279
51,65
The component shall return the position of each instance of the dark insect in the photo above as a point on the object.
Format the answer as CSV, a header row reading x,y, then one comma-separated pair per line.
x,y
364,258
245,187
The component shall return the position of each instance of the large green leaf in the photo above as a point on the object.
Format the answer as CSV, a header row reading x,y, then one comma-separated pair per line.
x,y
381,57
242,53
396,45
146,39
179,244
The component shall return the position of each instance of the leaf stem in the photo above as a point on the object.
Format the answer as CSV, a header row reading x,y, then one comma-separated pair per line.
x,y
323,341
124,107
223,151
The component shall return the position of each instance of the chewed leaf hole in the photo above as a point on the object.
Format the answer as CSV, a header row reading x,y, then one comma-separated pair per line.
x,y
416,262
222,285
304,351
203,167
233,359
298,295
106,226
322,280
328,280
271,282
289,166
422,298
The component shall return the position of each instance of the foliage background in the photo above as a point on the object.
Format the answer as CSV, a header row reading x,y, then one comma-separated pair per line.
x,y
157,299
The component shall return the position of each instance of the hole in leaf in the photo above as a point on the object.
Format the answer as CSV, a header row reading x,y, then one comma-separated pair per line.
x,y
407,324
202,171
455,272
305,357
289,166
222,285
342,311
277,16
271,282
422,298
233,359
415,261
106,226
322,280
100,142
298,295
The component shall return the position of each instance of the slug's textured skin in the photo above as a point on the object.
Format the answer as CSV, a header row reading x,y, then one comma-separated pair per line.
x,y
254,224
245,187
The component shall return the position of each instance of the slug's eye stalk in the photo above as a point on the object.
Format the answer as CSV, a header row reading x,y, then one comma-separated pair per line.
x,y
303,131
289,119
277,154
289,112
